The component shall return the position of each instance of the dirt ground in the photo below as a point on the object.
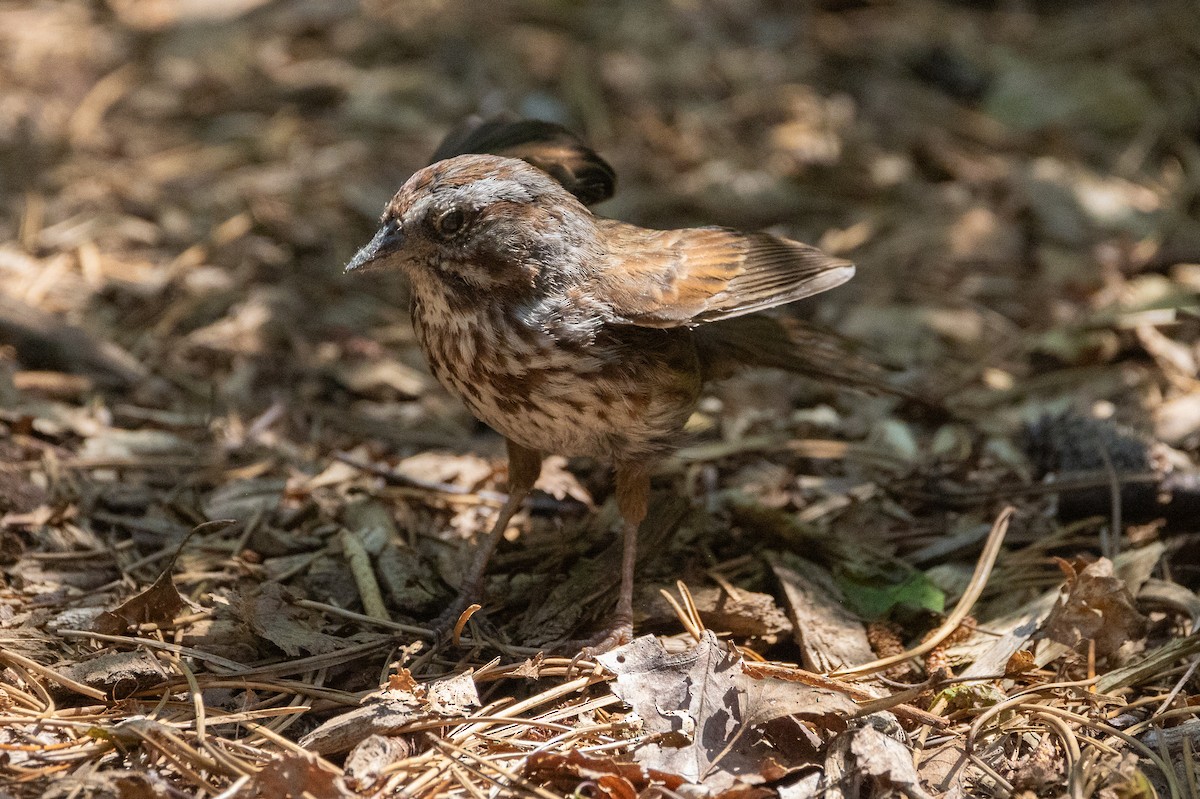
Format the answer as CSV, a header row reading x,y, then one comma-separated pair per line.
x,y
232,495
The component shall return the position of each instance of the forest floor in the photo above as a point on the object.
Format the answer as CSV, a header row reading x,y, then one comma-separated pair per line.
x,y
232,496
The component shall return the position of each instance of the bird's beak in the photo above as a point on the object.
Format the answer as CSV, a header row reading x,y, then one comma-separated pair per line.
x,y
388,240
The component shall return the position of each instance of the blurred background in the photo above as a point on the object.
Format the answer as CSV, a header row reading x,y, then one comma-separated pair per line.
x,y
181,182
184,179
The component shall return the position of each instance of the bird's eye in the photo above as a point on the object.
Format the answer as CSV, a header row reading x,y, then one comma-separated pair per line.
x,y
450,222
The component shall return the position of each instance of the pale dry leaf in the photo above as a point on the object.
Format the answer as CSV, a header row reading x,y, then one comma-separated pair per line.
x,y
258,325
382,379
366,762
698,708
1178,419
465,471
335,473
867,757
118,444
531,669
389,711
557,481
453,696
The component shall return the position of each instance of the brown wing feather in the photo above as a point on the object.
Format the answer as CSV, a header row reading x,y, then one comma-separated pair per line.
x,y
698,275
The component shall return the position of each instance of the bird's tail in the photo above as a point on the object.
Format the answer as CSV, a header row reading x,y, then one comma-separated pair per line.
x,y
731,345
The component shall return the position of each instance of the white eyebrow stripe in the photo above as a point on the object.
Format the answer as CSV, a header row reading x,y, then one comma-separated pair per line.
x,y
485,191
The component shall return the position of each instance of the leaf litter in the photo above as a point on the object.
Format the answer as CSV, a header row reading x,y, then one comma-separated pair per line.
x,y
179,185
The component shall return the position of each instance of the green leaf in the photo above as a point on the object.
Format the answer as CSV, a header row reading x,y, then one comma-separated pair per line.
x,y
870,597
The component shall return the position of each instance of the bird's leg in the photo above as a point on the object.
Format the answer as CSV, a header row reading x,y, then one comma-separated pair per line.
x,y
633,498
524,466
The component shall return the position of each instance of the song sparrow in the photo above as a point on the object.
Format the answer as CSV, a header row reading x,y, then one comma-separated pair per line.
x,y
574,334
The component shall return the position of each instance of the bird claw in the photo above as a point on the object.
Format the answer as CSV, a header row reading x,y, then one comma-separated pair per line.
x,y
606,640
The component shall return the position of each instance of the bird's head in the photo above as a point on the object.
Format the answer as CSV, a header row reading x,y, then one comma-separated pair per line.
x,y
480,223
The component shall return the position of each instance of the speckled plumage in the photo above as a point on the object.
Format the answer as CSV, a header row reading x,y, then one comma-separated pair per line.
x,y
534,315
569,333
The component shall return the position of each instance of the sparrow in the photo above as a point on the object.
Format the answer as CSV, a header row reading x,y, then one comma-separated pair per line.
x,y
573,334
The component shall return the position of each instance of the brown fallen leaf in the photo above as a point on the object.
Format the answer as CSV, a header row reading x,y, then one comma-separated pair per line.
x,y
1095,606
118,674
609,778
745,616
295,775
829,635
293,629
1021,661
947,768
697,708
159,604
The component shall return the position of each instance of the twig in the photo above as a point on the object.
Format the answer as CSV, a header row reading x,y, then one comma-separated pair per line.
x,y
364,576
11,658
983,570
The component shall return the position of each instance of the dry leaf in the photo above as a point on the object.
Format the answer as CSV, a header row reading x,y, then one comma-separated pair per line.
x,y
245,499
829,635
698,710
118,674
609,777
559,482
366,762
295,775
453,696
1095,606
746,615
865,756
1021,661
946,768
531,669
384,379
390,710
402,680
158,604
292,629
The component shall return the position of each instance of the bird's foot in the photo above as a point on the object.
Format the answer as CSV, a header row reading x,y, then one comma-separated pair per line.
x,y
619,633
608,640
